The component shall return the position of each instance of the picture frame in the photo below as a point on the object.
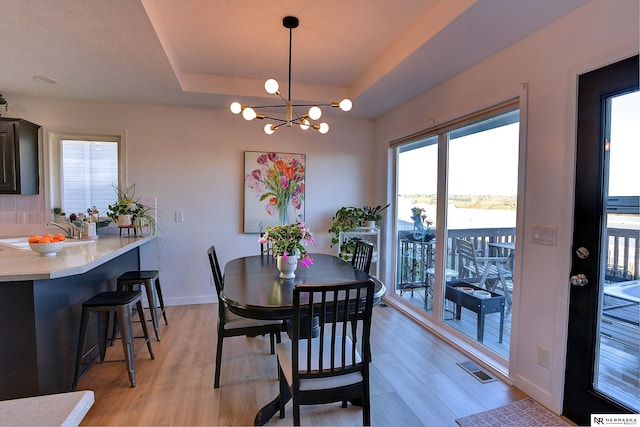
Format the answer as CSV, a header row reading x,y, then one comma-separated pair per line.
x,y
274,189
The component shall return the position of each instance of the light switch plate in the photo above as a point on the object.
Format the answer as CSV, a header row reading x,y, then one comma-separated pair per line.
x,y
544,235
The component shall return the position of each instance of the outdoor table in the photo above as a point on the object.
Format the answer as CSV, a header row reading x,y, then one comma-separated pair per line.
x,y
481,306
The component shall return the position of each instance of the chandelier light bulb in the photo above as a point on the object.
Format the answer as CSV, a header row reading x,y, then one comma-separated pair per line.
x,y
346,104
286,115
235,107
248,113
269,129
315,113
271,86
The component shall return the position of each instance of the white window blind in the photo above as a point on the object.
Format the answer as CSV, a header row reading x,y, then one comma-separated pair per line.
x,y
89,174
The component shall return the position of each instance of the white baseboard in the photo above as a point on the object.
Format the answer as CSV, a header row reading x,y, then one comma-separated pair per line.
x,y
203,299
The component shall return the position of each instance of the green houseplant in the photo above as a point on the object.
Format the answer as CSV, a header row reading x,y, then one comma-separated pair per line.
x,y
139,215
59,214
373,214
347,218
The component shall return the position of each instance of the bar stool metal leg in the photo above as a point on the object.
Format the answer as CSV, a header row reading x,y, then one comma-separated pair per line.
x,y
161,300
124,315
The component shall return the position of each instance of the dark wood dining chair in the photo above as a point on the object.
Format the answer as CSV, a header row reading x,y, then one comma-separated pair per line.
x,y
362,255
334,366
232,325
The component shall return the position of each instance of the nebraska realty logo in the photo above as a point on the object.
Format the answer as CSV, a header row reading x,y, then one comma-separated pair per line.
x,y
615,419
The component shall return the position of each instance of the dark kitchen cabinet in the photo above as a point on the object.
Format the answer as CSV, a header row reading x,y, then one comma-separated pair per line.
x,y
18,157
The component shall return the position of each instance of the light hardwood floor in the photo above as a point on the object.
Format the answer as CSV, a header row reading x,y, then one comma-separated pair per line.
x,y
414,379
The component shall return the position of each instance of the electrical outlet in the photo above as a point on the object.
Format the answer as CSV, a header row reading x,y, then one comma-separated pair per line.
x,y
179,216
21,218
543,357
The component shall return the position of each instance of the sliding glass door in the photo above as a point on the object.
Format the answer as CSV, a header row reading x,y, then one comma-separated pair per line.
x,y
456,187
481,218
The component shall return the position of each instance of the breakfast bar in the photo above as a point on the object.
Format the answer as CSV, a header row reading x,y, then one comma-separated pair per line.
x,y
40,308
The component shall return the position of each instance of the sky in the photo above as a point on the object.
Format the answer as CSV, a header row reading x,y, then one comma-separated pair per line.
x,y
481,163
624,170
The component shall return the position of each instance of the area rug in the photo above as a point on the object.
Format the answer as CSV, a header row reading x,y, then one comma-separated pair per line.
x,y
523,413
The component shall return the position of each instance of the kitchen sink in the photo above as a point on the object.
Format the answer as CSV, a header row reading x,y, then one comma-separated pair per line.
x,y
23,242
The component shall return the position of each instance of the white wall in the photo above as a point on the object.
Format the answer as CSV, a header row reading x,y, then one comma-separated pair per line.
x,y
192,160
549,61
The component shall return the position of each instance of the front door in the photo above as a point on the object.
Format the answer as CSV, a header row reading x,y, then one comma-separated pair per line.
x,y
603,345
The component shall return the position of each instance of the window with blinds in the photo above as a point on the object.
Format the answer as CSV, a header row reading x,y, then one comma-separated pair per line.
x,y
89,174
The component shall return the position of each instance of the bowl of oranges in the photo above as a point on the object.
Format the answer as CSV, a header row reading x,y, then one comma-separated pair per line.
x,y
47,244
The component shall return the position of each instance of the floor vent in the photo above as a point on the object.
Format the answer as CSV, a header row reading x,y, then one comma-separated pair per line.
x,y
476,371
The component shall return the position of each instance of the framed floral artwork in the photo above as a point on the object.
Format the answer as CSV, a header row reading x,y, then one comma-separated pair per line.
x,y
273,189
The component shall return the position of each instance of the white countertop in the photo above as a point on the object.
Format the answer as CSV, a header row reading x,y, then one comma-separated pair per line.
x,y
64,409
17,264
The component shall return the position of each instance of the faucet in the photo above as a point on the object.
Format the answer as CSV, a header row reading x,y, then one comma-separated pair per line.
x,y
70,229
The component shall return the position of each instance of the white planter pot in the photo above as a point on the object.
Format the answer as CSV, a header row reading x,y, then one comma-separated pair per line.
x,y
124,220
370,225
287,267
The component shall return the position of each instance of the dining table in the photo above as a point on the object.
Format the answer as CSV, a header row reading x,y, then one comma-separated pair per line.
x,y
253,288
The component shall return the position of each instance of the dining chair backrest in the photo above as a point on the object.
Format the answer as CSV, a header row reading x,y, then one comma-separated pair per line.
x,y
215,269
362,255
216,272
335,350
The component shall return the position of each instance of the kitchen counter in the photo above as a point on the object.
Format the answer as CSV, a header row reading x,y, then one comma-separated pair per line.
x,y
64,409
75,258
40,309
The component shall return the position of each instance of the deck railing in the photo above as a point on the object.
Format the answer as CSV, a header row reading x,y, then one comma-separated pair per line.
x,y
415,253
623,255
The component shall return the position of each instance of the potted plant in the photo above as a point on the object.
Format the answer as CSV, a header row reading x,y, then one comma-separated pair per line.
x,y
346,219
59,215
288,244
371,216
129,212
421,224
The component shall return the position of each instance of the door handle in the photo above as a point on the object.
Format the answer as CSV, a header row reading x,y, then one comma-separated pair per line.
x,y
579,280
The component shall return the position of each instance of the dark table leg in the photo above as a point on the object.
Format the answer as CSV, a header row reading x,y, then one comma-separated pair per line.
x,y
480,333
270,409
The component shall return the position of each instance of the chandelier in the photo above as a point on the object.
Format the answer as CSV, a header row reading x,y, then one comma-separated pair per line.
x,y
307,120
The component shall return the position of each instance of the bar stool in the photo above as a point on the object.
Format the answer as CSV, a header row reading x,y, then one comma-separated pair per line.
x,y
150,279
121,303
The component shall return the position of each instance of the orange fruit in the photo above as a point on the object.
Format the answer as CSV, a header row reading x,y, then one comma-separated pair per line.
x,y
34,239
47,236
59,237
